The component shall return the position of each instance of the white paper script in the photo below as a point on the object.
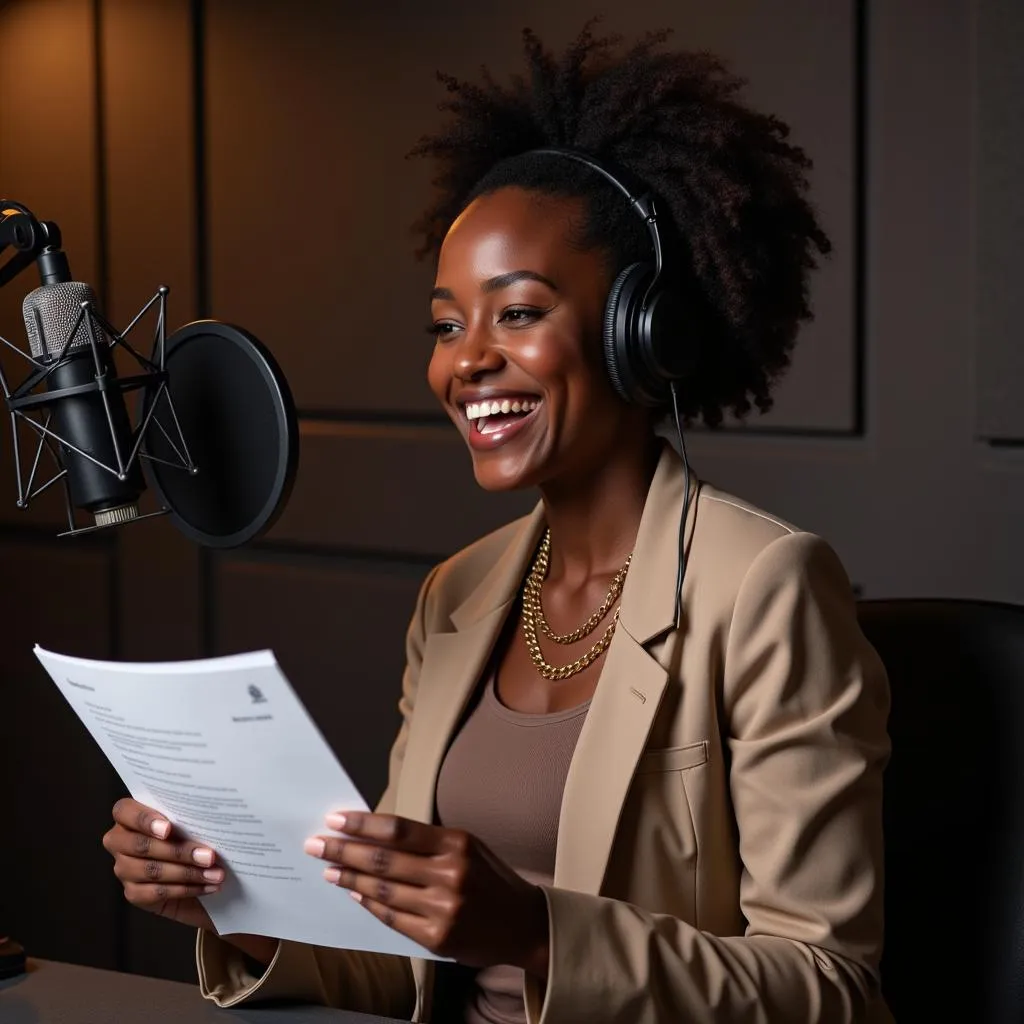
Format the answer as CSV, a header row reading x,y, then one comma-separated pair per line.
x,y
224,748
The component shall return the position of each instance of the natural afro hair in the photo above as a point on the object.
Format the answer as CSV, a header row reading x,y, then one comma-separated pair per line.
x,y
732,185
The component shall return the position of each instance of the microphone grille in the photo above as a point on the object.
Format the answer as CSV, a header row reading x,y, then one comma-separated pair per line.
x,y
51,311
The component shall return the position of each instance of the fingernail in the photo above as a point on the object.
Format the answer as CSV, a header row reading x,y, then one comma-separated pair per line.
x,y
204,857
336,821
211,888
214,875
314,847
357,896
333,875
161,829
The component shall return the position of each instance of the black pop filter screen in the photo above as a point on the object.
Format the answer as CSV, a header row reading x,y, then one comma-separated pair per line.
x,y
237,417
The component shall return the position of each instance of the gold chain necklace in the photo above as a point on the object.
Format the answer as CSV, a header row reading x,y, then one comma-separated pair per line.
x,y
534,621
535,581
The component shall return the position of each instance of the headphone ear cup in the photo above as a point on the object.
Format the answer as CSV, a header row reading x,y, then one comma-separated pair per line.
x,y
628,338
616,332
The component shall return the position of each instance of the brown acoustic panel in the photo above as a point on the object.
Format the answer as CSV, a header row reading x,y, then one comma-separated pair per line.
x,y
47,162
313,106
999,219
391,489
57,890
149,149
337,628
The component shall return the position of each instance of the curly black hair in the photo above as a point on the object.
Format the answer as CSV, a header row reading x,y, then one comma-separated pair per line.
x,y
733,186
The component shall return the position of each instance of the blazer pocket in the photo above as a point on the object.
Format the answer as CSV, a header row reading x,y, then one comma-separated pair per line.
x,y
673,759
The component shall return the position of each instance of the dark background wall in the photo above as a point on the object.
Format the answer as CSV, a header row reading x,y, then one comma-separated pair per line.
x,y
182,143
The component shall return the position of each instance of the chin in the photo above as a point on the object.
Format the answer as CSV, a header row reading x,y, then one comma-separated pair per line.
x,y
499,475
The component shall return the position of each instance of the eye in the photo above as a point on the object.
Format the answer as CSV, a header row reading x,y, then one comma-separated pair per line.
x,y
521,316
442,329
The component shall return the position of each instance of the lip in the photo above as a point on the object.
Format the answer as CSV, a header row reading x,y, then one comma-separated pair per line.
x,y
487,442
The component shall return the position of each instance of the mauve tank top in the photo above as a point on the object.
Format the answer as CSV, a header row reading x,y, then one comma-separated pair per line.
x,y
502,780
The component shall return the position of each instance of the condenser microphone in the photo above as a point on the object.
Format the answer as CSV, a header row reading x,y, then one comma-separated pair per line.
x,y
93,422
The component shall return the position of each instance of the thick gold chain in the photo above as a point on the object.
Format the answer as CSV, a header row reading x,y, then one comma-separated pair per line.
x,y
534,622
535,581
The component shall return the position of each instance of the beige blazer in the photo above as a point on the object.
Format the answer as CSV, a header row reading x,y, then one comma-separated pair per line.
x,y
719,854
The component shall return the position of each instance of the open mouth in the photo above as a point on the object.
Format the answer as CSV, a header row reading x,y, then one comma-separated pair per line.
x,y
493,417
494,421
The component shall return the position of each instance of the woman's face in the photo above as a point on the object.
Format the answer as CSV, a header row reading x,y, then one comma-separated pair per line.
x,y
518,366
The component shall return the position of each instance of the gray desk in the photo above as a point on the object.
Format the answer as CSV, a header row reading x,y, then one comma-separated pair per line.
x,y
54,993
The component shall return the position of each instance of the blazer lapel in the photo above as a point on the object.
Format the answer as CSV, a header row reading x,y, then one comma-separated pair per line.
x,y
452,666
612,739
629,691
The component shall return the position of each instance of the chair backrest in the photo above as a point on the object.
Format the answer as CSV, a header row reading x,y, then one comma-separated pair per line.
x,y
954,808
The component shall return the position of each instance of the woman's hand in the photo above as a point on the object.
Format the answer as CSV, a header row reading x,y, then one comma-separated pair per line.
x,y
161,872
165,873
441,887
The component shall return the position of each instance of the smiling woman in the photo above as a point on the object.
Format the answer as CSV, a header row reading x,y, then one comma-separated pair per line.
x,y
638,777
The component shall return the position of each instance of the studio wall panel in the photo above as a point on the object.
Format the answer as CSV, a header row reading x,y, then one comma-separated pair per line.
x,y
57,891
338,628
999,218
149,154
312,108
388,487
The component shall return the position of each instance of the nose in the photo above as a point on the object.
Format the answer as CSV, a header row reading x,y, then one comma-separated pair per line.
x,y
476,355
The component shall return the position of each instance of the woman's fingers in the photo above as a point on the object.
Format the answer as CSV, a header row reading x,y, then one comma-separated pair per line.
x,y
123,840
380,861
137,869
414,899
138,817
154,895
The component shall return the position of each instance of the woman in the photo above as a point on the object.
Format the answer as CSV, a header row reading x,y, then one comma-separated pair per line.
x,y
611,799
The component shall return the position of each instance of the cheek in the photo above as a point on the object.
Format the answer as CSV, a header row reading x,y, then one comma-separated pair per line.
x,y
439,373
556,358
576,369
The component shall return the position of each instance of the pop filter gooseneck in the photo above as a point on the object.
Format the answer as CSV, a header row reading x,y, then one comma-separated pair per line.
x,y
232,404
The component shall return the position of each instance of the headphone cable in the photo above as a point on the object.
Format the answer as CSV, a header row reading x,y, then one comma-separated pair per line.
x,y
681,560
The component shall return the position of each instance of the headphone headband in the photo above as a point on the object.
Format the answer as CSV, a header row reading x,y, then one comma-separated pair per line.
x,y
643,205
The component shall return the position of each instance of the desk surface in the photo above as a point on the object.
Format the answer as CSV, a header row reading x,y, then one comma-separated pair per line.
x,y
55,993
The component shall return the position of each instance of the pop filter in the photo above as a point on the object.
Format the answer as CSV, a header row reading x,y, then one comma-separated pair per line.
x,y
232,406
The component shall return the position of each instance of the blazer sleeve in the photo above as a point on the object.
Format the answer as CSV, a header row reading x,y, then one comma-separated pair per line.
x,y
345,979
805,700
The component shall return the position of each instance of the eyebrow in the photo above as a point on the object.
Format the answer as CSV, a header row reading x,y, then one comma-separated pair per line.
x,y
494,284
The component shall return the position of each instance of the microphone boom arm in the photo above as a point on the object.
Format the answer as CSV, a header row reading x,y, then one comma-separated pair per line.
x,y
29,237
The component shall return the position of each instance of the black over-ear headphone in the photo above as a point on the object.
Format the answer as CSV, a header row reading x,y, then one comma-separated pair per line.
x,y
645,350
645,326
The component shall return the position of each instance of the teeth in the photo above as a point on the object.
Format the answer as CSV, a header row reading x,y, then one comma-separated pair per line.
x,y
476,410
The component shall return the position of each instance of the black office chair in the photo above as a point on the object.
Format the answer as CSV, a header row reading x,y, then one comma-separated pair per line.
x,y
954,809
